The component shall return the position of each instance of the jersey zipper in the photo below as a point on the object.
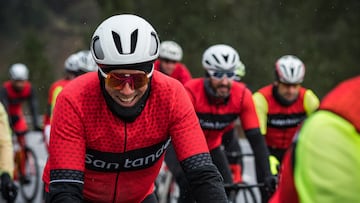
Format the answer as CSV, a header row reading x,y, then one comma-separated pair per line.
x,y
118,173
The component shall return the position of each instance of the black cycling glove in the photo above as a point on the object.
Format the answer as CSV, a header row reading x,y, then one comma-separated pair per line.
x,y
270,183
8,188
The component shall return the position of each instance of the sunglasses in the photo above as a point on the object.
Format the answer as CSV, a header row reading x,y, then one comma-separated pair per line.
x,y
221,75
118,80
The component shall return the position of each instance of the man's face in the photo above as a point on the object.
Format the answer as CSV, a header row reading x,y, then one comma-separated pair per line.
x,y
125,91
221,86
18,85
167,66
288,91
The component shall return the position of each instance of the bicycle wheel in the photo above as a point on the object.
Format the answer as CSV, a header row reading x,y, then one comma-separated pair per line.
x,y
246,195
29,189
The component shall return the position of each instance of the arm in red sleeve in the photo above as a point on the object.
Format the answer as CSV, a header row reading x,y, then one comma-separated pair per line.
x,y
67,152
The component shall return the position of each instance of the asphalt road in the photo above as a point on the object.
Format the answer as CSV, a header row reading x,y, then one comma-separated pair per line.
x,y
34,140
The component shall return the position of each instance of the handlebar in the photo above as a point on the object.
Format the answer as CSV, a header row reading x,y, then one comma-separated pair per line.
x,y
238,154
239,186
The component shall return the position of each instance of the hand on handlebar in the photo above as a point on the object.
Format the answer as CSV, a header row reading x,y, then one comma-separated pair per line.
x,y
8,188
270,183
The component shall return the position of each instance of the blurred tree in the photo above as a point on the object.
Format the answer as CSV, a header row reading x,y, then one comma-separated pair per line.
x,y
323,33
32,54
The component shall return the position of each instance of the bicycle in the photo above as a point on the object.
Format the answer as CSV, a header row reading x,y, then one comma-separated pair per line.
x,y
247,195
242,190
28,176
166,188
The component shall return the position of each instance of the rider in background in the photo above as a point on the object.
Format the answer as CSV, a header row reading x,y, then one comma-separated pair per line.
x,y
8,189
76,64
283,105
13,94
323,163
218,101
170,55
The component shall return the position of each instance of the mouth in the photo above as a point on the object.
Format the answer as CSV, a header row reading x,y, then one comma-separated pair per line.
x,y
127,101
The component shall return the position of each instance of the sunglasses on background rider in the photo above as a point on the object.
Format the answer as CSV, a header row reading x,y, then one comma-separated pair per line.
x,y
118,80
220,75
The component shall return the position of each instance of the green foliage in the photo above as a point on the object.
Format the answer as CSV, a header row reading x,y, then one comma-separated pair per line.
x,y
324,34
32,54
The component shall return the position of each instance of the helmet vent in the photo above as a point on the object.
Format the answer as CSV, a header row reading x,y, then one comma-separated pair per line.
x,y
226,57
98,52
154,44
216,59
134,38
117,41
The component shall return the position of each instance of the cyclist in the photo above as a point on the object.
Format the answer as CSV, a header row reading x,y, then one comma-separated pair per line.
x,y
7,187
323,163
111,129
170,55
76,64
13,94
218,101
283,105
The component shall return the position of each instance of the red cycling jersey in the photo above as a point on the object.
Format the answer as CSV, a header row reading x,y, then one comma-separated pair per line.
x,y
13,102
216,119
118,161
54,90
181,73
283,121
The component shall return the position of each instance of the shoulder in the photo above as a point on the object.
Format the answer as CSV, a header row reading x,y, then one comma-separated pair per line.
x,y
87,84
6,84
157,64
266,90
310,97
181,66
194,82
239,85
163,83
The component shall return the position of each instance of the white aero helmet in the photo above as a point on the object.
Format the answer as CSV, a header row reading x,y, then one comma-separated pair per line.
x,y
19,71
71,63
124,40
290,69
221,57
85,61
170,50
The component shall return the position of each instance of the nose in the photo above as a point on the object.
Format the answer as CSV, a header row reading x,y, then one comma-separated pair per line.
x,y
225,81
127,89
292,89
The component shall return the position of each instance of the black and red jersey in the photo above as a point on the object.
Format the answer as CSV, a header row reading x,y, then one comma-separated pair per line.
x,y
16,98
181,73
216,119
13,101
118,161
282,121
